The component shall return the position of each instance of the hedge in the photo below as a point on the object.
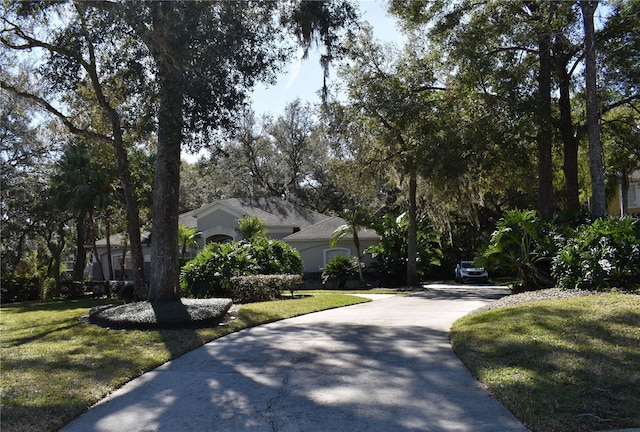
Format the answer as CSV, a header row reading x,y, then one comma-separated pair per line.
x,y
248,289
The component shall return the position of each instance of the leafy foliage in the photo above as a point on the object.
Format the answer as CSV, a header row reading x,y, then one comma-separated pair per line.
x,y
603,254
249,289
251,226
340,269
523,243
391,251
210,273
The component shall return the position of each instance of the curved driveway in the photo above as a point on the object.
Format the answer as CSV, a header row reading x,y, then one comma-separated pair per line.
x,y
386,365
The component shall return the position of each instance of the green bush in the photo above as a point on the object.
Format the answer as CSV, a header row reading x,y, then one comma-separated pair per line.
x,y
340,269
275,257
249,289
19,288
599,256
390,253
209,274
525,244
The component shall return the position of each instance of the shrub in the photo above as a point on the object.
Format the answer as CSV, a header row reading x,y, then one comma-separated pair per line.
x,y
248,289
275,257
209,274
525,244
340,269
601,255
390,252
19,288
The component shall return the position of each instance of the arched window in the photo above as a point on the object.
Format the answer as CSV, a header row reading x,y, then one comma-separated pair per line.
x,y
329,254
219,238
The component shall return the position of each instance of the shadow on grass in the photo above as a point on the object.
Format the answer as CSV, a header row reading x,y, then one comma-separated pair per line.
x,y
56,305
558,368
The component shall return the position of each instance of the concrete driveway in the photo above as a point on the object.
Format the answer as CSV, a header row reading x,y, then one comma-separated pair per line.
x,y
386,365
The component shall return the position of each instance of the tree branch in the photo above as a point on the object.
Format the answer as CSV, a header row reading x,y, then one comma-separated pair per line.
x,y
51,109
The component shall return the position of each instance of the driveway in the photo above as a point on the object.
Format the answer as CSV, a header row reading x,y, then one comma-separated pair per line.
x,y
386,365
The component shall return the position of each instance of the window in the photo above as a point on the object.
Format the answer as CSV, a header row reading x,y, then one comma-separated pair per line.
x,y
329,254
219,238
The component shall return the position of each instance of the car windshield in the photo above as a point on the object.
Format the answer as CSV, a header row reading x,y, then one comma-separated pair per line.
x,y
466,264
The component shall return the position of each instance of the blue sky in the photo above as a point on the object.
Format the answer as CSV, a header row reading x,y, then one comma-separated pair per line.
x,y
303,78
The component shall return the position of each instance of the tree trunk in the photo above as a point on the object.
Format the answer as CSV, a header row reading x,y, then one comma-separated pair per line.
x,y
122,162
108,237
164,276
570,142
94,247
81,253
412,249
545,131
598,199
356,243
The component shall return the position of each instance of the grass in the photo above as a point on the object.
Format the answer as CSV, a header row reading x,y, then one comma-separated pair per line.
x,y
559,365
54,366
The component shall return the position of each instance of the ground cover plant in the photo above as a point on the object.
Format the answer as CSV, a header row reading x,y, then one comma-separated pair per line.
x,y
54,366
569,364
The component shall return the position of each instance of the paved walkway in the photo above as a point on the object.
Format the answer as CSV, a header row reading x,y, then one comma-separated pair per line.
x,y
386,365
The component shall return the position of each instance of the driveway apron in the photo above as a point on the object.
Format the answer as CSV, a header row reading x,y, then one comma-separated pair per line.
x,y
386,365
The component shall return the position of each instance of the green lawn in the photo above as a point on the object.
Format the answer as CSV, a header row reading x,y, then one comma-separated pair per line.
x,y
54,366
559,365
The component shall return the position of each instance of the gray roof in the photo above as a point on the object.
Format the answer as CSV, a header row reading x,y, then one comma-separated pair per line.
x,y
325,228
274,211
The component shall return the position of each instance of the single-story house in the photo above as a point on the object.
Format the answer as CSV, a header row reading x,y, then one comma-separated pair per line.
x,y
305,230
633,197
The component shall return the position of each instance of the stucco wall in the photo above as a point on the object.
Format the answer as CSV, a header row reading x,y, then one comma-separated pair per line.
x,y
314,253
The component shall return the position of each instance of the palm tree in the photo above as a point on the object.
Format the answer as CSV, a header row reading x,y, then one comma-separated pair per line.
x,y
251,226
357,219
187,238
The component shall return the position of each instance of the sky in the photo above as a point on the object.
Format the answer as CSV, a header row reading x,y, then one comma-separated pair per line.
x,y
303,78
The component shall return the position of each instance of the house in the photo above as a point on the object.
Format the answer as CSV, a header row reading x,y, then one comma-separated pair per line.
x,y
633,197
305,230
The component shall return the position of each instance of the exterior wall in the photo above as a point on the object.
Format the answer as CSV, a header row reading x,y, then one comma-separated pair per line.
x,y
633,197
315,253
116,254
218,222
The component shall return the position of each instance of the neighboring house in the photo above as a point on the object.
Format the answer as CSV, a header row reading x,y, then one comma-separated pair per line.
x,y
305,230
633,197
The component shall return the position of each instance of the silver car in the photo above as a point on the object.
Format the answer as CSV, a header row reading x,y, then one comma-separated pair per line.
x,y
466,271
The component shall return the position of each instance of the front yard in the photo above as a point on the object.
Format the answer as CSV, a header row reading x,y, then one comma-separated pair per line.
x,y
54,366
569,364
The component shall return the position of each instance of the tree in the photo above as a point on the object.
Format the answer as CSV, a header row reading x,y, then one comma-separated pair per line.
x,y
391,251
183,40
187,238
71,189
356,219
251,226
492,47
242,40
24,172
74,53
598,199
403,106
